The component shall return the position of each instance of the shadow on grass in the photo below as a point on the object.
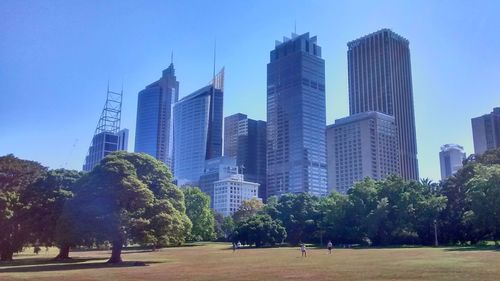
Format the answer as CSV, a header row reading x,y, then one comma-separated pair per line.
x,y
73,266
43,261
473,248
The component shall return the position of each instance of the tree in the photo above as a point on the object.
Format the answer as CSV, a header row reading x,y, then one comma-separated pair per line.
x,y
44,202
299,215
484,198
127,197
248,209
260,230
16,176
335,223
228,227
199,212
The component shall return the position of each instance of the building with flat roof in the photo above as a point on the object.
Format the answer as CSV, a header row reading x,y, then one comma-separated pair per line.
x,y
245,139
230,192
379,79
359,146
451,158
486,131
216,169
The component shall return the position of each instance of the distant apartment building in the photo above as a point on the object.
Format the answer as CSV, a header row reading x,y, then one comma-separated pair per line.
x,y
245,139
230,192
486,131
379,71
361,145
216,169
451,158
296,117
198,131
154,117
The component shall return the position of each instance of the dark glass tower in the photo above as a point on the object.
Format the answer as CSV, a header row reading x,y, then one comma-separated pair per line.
x,y
296,150
198,131
380,80
154,117
245,139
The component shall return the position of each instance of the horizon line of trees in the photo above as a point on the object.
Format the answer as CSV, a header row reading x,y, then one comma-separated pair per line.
x,y
129,198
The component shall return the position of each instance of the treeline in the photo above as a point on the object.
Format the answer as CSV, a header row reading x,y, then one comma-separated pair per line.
x,y
129,198
465,209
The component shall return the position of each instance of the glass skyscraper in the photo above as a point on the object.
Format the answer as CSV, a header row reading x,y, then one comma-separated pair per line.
x,y
296,121
486,131
380,80
245,139
103,144
198,131
451,158
154,117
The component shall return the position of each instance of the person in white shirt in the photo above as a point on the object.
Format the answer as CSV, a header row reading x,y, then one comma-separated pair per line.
x,y
329,246
303,250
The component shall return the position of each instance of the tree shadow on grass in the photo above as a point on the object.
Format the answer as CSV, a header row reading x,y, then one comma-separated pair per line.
x,y
473,248
42,261
73,266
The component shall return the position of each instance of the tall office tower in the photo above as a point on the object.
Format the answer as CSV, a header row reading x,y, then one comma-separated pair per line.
x,y
216,169
451,158
296,149
359,146
198,130
486,131
154,117
107,136
245,139
380,80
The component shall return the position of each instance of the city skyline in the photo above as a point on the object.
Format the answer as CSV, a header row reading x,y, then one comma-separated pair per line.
x,y
437,73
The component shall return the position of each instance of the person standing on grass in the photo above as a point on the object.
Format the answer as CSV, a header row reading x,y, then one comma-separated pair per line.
x,y
238,246
330,246
234,247
303,250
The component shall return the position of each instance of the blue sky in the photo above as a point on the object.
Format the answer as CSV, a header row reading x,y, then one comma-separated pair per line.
x,y
56,58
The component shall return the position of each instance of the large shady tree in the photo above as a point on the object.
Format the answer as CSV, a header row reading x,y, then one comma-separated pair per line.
x,y
128,197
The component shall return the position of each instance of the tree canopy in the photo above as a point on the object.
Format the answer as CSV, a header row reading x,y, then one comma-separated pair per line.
x,y
199,212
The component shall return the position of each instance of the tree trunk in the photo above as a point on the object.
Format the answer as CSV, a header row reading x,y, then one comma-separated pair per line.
x,y
116,252
63,253
6,255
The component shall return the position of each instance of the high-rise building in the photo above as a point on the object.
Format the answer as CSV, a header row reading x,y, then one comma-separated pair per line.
x,y
486,131
380,80
107,136
296,149
198,130
216,169
230,192
359,146
451,158
245,139
154,117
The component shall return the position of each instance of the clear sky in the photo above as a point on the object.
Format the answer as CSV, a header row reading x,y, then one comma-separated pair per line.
x,y
56,58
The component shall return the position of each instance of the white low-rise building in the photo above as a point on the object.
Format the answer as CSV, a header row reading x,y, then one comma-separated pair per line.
x,y
230,192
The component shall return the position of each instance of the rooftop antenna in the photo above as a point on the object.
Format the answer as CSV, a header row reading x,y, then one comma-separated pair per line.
x,y
172,57
215,54
295,27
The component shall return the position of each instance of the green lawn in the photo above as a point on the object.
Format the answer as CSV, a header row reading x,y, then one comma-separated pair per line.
x,y
216,261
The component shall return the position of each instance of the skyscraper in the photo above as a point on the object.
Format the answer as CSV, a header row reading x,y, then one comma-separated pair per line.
x,y
245,139
451,158
296,149
486,131
380,80
361,145
216,169
154,117
198,130
107,136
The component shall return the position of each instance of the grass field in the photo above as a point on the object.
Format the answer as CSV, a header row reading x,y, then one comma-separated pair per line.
x,y
216,261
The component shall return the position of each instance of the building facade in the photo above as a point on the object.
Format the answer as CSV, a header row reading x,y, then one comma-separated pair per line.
x,y
451,158
379,71
359,146
230,192
486,131
216,169
245,139
198,131
154,117
103,144
296,120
